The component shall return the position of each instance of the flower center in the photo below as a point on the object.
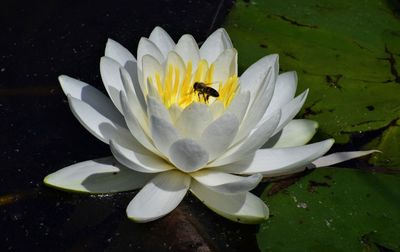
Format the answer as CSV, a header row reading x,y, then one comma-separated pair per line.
x,y
184,86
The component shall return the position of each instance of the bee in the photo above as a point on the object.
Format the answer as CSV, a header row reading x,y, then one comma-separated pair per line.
x,y
202,89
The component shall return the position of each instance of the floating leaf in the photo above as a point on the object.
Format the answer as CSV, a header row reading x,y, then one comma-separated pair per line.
x,y
389,144
334,210
346,52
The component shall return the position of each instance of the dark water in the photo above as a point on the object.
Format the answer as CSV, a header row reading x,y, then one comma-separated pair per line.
x,y
39,134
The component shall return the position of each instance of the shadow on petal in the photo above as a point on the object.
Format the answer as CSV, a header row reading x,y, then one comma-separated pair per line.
x,y
104,106
118,181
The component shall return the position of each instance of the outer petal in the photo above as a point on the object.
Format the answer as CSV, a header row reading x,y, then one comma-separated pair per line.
x,y
276,162
188,49
290,110
104,175
219,135
249,145
226,183
135,128
339,157
285,89
194,119
93,97
141,162
241,207
162,40
214,45
253,78
259,105
187,155
159,197
100,125
120,54
296,133
135,100
109,71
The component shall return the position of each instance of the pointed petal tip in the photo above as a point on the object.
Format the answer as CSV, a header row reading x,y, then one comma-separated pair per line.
x,y
158,29
62,78
109,41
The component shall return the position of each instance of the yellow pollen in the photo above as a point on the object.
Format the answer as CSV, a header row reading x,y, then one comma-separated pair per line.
x,y
177,85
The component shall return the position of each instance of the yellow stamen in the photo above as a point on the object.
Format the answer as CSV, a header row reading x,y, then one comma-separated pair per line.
x,y
174,89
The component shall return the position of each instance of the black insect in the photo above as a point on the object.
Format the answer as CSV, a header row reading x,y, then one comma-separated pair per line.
x,y
202,89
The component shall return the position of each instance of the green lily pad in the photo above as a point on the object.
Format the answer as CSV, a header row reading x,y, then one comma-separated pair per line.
x,y
346,52
334,210
389,144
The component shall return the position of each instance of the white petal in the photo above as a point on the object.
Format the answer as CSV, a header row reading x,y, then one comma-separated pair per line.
x,y
240,104
226,38
123,56
194,119
214,45
187,155
135,100
252,143
219,135
217,109
163,134
339,157
290,110
153,91
110,74
225,66
296,133
241,207
156,108
177,62
175,112
104,175
226,183
90,95
101,125
147,47
147,163
285,89
254,76
162,40
188,49
135,128
133,90
276,162
159,197
258,107
150,67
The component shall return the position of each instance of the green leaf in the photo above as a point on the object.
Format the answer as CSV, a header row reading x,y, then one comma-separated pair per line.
x,y
389,144
334,210
346,52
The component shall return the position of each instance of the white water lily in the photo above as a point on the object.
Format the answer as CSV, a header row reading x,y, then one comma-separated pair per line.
x,y
167,138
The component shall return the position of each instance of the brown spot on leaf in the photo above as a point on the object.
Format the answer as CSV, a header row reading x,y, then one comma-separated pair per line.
x,y
313,185
333,80
294,22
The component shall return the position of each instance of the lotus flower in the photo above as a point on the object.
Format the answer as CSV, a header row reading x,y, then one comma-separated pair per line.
x,y
168,136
